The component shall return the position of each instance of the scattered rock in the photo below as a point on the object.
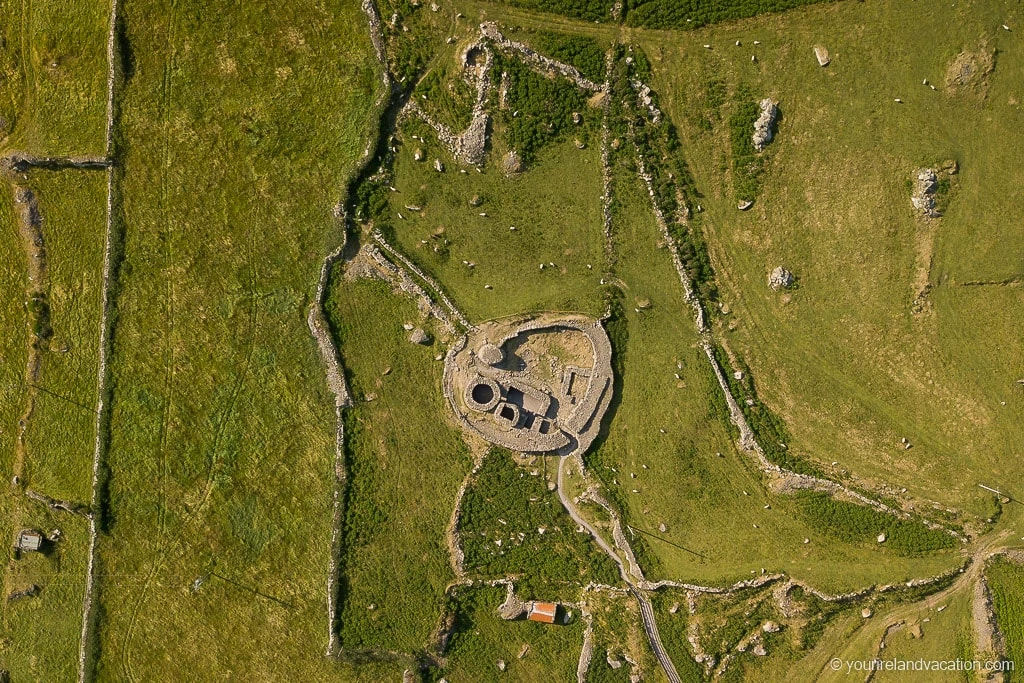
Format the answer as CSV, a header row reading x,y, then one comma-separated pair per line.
x,y
759,650
438,166
501,665
866,612
419,336
881,538
643,304
765,124
477,200
662,528
822,55
418,155
745,204
780,278
770,627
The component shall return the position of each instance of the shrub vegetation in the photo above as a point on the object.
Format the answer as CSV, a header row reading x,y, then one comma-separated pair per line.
x,y
691,14
510,505
860,524
582,52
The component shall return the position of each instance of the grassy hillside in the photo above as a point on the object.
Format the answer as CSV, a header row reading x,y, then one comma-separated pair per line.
x,y
554,206
844,359
54,62
405,464
239,130
668,432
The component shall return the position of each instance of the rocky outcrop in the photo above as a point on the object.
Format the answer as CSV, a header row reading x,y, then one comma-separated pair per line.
x,y
926,185
764,126
780,278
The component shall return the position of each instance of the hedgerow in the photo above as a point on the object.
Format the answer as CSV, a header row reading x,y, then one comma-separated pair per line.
x,y
591,10
858,523
769,430
673,184
581,52
696,13
747,163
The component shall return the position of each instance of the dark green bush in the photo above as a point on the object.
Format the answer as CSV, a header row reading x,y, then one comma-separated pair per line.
x,y
580,51
542,108
696,13
591,10
860,524
747,164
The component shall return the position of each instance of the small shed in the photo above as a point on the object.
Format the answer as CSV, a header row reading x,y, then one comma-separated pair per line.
x,y
29,541
543,612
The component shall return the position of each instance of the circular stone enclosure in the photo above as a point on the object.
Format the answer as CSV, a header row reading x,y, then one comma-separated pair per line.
x,y
482,394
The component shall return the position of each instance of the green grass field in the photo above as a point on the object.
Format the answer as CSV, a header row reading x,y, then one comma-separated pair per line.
x,y
58,446
482,639
59,439
685,485
1006,584
55,61
239,130
554,206
842,359
405,463
513,525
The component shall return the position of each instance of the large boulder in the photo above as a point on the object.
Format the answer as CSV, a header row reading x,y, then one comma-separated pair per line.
x,y
780,278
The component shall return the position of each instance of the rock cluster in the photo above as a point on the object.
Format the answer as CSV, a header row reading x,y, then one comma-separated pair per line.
x,y
780,278
765,124
926,184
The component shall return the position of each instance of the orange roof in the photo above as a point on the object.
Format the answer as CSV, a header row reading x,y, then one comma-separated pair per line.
x,y
543,612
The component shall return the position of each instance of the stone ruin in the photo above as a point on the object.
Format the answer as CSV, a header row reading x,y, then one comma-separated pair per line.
x,y
764,126
534,384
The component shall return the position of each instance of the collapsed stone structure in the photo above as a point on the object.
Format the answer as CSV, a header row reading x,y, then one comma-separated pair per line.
x,y
534,384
